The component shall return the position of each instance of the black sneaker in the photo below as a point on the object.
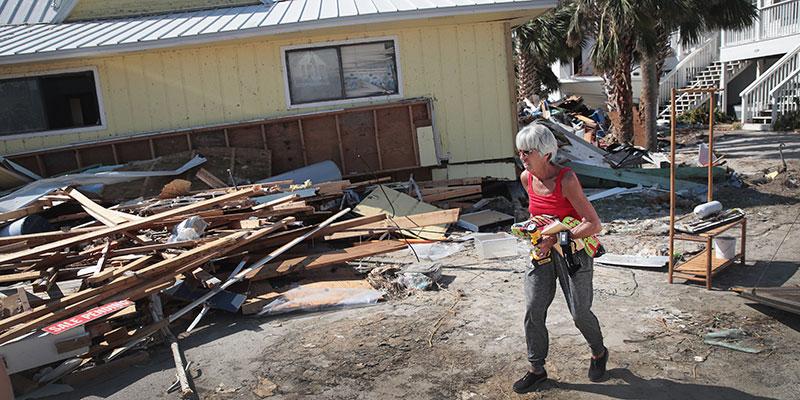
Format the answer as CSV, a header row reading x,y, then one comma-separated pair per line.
x,y
529,382
597,367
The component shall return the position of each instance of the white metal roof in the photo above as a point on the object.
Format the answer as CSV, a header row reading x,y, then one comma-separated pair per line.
x,y
17,12
27,43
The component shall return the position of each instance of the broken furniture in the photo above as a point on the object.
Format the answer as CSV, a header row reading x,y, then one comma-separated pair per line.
x,y
705,265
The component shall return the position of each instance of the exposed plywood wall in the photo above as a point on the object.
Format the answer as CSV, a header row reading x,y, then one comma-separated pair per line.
x,y
462,67
93,9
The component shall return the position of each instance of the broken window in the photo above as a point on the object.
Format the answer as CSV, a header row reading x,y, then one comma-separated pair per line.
x,y
342,72
48,102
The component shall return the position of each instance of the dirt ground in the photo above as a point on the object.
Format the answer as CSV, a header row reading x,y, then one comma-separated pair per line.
x,y
465,341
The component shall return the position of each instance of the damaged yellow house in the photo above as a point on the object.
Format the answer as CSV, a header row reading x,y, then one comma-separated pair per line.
x,y
400,84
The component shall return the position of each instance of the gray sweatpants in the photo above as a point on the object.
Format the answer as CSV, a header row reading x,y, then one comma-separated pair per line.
x,y
540,288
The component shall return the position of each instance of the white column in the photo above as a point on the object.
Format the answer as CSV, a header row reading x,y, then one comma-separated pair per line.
x,y
757,25
723,86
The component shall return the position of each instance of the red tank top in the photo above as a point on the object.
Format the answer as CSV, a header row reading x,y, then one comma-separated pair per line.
x,y
553,204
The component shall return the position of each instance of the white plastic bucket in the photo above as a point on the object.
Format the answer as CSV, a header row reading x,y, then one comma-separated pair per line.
x,y
725,247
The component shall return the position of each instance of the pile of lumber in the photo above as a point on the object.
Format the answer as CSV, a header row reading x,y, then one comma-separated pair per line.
x,y
115,278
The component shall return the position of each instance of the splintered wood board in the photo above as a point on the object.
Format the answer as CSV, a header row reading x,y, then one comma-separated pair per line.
x,y
268,294
321,260
408,224
396,204
477,220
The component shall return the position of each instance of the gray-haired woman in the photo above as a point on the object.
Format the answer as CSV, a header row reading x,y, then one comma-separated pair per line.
x,y
555,191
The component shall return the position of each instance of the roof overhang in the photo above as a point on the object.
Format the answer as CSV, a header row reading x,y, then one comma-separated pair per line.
x,y
517,8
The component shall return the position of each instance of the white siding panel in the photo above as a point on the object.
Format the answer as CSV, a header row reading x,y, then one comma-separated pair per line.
x,y
404,5
443,3
80,36
258,18
166,29
366,7
311,11
220,23
275,15
423,4
347,8
133,31
329,9
116,29
43,38
209,19
241,19
385,6
294,12
146,32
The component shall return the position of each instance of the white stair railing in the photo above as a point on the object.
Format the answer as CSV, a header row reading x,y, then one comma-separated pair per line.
x,y
774,21
780,19
756,97
691,65
784,95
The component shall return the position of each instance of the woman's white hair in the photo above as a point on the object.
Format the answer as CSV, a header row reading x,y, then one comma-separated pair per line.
x,y
537,137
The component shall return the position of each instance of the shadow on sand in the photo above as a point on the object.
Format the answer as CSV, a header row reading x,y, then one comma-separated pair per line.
x,y
657,389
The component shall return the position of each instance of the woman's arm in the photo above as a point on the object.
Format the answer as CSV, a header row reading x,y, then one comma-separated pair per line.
x,y
523,177
590,222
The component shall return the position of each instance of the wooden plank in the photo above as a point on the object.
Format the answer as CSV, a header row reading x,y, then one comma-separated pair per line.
x,y
406,223
452,194
286,237
19,277
105,216
47,280
443,189
69,345
20,213
72,304
451,182
697,264
131,225
209,179
316,261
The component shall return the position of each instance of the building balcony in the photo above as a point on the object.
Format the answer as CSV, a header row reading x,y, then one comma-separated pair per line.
x,y
776,32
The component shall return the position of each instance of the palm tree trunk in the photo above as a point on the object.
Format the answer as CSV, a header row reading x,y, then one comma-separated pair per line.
x,y
648,101
652,66
620,97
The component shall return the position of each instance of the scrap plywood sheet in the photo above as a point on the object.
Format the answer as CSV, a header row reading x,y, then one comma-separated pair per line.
x,y
395,204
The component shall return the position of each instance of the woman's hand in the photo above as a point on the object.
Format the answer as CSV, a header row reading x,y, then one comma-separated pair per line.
x,y
543,248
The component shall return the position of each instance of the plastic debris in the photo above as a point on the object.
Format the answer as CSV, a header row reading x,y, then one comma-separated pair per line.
x,y
191,228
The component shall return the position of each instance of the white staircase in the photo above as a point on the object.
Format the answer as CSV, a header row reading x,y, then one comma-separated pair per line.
x,y
772,93
699,67
706,78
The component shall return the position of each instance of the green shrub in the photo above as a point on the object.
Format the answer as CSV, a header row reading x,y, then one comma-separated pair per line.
x,y
700,116
789,121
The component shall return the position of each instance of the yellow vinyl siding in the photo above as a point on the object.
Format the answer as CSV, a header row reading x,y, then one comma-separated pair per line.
x,y
461,66
94,9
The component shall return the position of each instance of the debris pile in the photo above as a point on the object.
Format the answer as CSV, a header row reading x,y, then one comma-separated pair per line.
x,y
86,285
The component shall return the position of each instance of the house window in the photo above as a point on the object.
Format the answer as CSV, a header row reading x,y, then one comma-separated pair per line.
x,y
342,72
48,102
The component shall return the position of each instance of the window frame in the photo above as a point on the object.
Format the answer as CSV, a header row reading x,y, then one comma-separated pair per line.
x,y
98,92
337,45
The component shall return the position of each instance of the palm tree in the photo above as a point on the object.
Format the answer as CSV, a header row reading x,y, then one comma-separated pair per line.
x,y
690,19
616,26
540,43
